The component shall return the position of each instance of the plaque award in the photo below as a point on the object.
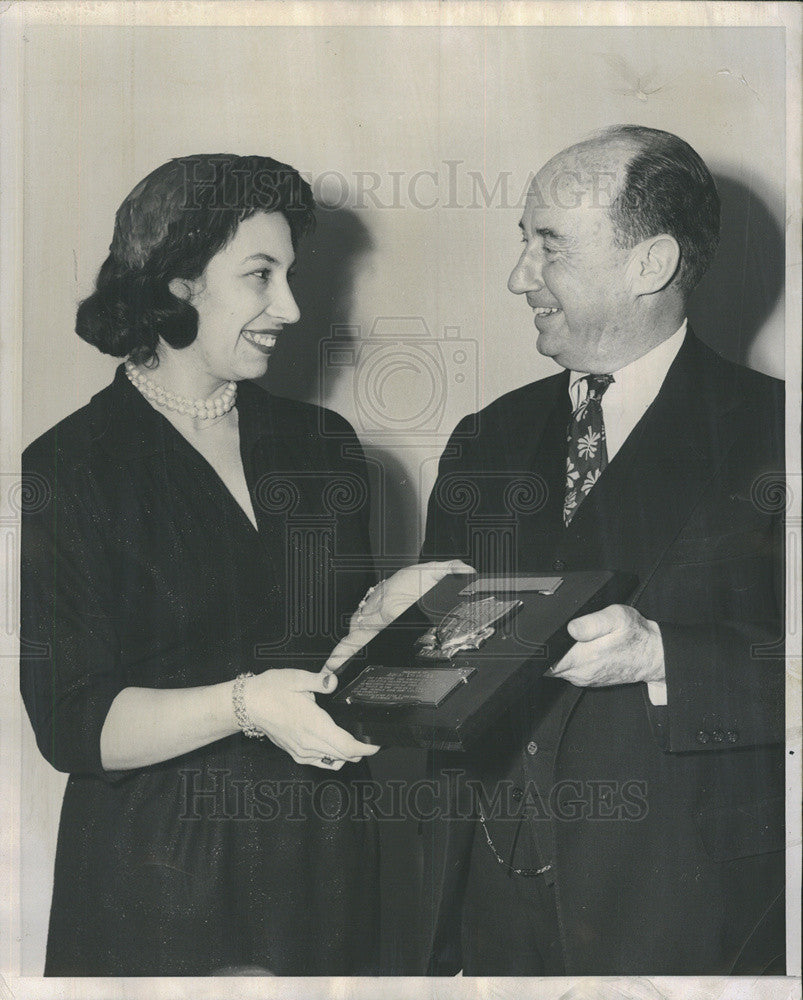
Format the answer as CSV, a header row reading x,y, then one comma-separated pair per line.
x,y
444,671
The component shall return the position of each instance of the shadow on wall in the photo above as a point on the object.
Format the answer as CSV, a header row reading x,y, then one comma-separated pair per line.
x,y
738,294
394,511
328,262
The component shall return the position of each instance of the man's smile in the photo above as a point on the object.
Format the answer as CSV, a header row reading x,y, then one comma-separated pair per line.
x,y
539,309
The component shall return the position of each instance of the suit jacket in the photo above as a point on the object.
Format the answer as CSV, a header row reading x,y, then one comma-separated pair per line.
x,y
669,860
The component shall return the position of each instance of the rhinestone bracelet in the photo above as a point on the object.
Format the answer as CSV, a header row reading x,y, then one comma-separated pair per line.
x,y
244,720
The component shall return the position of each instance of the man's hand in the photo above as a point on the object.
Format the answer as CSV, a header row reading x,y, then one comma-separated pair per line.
x,y
616,645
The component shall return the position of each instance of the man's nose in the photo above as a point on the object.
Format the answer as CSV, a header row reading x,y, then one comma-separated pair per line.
x,y
526,275
283,305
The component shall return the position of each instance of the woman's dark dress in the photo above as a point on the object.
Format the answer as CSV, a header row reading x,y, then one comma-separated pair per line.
x,y
140,569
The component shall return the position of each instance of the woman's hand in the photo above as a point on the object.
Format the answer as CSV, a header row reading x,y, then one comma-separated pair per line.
x,y
282,704
386,601
145,726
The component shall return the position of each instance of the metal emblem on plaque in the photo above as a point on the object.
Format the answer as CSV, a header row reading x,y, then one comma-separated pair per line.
x,y
465,627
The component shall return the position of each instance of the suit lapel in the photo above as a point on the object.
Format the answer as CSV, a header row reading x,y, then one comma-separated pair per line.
x,y
648,491
526,424
538,455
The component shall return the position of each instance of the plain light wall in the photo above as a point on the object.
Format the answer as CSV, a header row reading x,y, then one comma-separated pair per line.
x,y
421,141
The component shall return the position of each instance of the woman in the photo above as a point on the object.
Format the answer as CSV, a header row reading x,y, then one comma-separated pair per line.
x,y
181,588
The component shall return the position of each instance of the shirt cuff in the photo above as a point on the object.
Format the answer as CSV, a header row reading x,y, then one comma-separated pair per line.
x,y
656,691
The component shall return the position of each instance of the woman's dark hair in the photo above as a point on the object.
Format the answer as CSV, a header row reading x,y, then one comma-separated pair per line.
x,y
170,226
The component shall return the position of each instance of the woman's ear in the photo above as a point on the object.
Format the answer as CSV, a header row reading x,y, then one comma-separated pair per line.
x,y
181,288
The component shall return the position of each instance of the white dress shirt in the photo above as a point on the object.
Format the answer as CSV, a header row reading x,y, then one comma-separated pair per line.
x,y
625,402
633,389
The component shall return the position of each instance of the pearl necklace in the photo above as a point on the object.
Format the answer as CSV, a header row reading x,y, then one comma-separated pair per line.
x,y
204,409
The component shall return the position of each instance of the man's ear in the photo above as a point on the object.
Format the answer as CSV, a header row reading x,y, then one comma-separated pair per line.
x,y
653,264
181,288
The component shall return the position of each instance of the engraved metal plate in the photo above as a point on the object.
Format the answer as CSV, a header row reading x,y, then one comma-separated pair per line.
x,y
513,584
378,685
465,627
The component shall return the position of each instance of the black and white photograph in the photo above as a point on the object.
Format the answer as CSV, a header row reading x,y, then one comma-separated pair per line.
x,y
401,500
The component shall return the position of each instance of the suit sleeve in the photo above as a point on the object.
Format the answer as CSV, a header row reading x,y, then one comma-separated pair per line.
x,y
724,656
725,682
70,670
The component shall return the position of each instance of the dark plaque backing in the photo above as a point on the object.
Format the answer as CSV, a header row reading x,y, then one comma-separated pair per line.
x,y
445,670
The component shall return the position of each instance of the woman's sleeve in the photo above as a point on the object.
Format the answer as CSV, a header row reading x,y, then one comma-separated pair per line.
x,y
70,669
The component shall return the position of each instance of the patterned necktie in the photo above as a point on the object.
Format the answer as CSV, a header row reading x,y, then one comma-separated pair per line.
x,y
588,454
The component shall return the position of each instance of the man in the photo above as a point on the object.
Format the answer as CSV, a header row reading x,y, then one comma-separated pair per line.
x,y
648,765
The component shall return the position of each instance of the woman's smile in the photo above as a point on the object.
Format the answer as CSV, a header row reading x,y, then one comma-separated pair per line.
x,y
263,340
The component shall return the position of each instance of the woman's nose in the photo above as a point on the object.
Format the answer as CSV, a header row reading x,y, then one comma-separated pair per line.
x,y
526,275
284,306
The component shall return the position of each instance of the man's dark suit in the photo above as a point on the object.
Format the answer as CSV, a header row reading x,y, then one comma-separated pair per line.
x,y
670,860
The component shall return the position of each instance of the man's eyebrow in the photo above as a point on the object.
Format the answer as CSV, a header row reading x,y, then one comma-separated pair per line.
x,y
550,234
545,233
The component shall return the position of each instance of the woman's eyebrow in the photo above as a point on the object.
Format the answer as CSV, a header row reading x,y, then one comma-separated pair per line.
x,y
260,256
267,258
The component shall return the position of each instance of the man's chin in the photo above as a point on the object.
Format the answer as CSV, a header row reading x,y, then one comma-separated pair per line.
x,y
563,351
549,345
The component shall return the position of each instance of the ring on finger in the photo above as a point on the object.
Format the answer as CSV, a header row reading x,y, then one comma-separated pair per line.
x,y
327,761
